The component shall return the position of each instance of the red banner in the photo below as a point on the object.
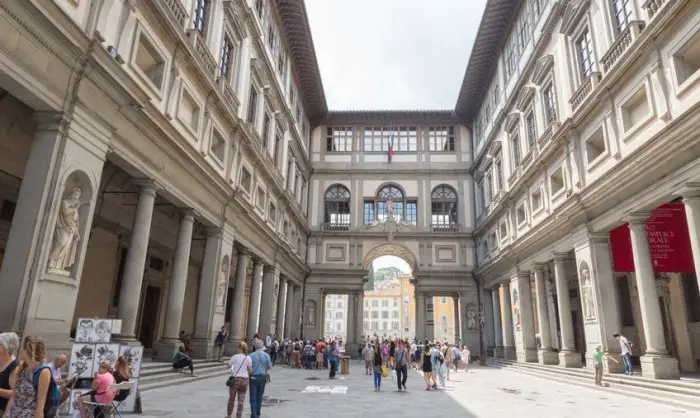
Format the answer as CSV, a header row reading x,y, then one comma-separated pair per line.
x,y
669,242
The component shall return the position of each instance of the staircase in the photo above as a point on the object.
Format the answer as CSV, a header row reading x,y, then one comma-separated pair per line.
x,y
683,393
156,375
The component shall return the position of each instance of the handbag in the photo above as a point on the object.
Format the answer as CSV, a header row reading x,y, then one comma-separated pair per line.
x,y
231,379
385,371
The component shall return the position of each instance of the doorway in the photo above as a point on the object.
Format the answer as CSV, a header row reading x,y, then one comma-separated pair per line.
x,y
149,316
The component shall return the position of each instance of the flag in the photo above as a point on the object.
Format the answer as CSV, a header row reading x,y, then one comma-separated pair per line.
x,y
390,151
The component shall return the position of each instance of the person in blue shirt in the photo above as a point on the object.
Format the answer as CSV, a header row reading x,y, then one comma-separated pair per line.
x,y
333,358
261,365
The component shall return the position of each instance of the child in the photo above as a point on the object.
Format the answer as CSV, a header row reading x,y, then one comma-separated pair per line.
x,y
598,356
442,367
465,357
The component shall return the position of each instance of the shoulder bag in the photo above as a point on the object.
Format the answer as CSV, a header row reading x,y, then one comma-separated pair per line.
x,y
232,378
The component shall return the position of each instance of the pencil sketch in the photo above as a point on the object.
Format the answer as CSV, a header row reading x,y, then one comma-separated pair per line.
x,y
134,355
81,360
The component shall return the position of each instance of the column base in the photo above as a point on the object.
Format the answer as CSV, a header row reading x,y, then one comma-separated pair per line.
x,y
548,357
659,367
509,353
231,347
498,352
529,355
351,349
202,348
570,359
166,348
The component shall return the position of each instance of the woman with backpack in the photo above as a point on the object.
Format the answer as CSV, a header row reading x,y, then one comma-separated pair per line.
x,y
35,394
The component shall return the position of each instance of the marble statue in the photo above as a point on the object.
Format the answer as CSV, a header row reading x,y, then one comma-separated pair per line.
x,y
516,310
66,235
223,284
390,214
472,319
310,314
587,293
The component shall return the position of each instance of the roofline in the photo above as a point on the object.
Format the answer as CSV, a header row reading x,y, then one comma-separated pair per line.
x,y
494,28
391,115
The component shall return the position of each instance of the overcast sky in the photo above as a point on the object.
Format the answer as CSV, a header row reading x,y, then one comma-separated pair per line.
x,y
391,261
393,54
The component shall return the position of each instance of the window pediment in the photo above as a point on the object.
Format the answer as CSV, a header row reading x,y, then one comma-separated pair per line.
x,y
542,68
572,16
525,96
512,121
495,147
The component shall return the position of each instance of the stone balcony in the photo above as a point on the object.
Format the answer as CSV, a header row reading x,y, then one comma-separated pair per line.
x,y
203,54
230,97
652,7
585,89
176,10
621,45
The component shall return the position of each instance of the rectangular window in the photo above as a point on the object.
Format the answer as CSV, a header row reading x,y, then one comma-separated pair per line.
x,y
584,52
623,12
441,138
443,299
385,303
531,127
226,57
339,139
411,212
199,16
550,104
368,212
252,105
375,314
385,315
272,212
266,130
259,7
278,145
515,144
377,139
499,173
271,35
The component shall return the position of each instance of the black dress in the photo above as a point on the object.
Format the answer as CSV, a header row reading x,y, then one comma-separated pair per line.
x,y
427,365
5,382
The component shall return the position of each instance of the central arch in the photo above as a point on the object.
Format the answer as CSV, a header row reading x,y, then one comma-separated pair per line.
x,y
391,248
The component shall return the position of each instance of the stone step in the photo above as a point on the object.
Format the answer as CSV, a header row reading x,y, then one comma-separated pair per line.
x,y
167,368
156,375
679,386
668,395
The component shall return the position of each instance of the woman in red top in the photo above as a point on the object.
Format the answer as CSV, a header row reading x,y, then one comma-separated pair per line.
x,y
100,389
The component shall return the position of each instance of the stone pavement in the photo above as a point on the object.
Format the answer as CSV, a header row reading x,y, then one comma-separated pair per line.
x,y
483,392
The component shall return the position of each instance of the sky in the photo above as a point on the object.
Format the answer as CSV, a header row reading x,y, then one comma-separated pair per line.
x,y
391,261
393,54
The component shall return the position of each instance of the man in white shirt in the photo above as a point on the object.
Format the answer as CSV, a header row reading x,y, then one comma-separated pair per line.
x,y
625,352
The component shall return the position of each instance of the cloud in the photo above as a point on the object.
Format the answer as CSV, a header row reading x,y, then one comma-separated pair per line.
x,y
393,54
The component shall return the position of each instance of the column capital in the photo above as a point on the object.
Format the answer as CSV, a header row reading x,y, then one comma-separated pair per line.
x,y
538,267
689,191
636,218
599,237
283,279
503,285
186,214
148,186
257,261
560,256
50,121
242,251
213,232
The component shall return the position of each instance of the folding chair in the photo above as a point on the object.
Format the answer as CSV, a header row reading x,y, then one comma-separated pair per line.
x,y
123,391
109,410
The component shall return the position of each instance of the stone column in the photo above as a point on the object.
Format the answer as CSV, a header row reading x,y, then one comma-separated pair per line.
x,y
238,302
270,275
429,316
497,329
296,315
254,303
507,320
691,200
525,343
546,354
351,319
281,309
170,342
132,281
568,356
655,362
420,315
289,311
455,302
359,325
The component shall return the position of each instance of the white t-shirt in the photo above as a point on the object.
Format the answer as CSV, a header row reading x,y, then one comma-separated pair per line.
x,y
239,365
623,345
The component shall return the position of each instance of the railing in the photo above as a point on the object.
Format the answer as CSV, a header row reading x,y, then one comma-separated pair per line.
x,y
548,134
621,44
653,6
585,89
177,11
445,227
228,93
335,227
203,52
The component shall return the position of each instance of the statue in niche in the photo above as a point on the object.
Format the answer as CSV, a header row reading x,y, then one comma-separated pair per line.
x,y
390,213
67,234
587,293
516,309
472,317
223,285
310,314
275,298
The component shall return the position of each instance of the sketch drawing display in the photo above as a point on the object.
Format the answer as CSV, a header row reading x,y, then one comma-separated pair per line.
x,y
102,331
129,403
84,331
107,353
81,360
134,355
73,404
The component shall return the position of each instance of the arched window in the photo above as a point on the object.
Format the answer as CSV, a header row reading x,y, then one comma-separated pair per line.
x,y
444,209
377,208
337,209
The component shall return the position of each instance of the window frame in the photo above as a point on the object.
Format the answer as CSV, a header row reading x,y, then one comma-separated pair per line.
x,y
337,136
441,138
548,117
200,16
444,202
585,65
337,204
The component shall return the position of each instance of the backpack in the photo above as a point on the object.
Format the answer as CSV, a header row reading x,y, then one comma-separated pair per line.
x,y
457,355
53,395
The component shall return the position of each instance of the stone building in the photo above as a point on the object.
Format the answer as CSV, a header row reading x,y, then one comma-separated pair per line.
x,y
587,162
389,309
335,322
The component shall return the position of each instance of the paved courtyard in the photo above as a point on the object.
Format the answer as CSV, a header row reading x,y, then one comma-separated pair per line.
x,y
483,392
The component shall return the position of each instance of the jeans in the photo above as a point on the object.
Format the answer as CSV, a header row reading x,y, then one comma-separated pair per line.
x,y
401,376
377,376
627,359
334,368
309,361
257,388
182,363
